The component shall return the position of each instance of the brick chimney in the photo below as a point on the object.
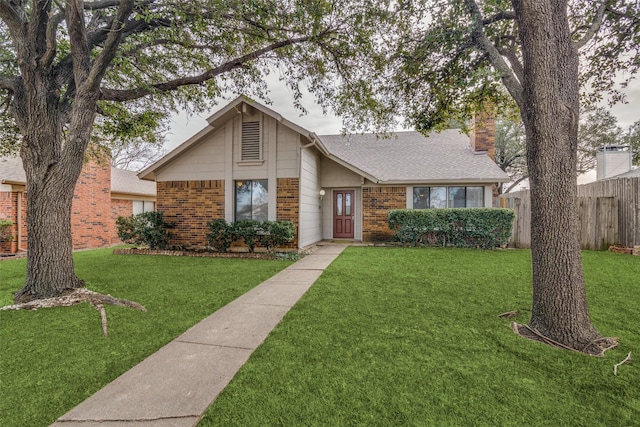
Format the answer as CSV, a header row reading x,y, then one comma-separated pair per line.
x,y
483,133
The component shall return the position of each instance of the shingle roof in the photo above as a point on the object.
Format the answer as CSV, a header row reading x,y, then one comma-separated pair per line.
x,y
11,170
629,174
122,181
412,157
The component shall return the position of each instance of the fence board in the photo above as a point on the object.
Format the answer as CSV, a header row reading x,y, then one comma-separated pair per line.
x,y
608,213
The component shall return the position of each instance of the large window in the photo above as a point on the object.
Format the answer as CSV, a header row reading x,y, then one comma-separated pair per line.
x,y
452,197
252,200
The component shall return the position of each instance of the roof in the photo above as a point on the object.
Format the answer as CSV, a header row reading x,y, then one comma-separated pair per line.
x,y
406,157
122,181
11,171
629,174
127,182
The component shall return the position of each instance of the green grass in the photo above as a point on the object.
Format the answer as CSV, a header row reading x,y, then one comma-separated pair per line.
x,y
401,337
53,359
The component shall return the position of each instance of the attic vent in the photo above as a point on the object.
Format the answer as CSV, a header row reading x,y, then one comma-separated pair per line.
x,y
251,141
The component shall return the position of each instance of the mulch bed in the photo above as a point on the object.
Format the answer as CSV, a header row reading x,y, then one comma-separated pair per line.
x,y
194,253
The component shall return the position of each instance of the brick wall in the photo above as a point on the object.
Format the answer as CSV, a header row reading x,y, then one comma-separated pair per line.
x,y
376,204
483,134
190,205
91,225
8,211
288,204
119,207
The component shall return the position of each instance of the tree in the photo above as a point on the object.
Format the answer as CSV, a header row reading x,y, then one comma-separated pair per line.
x,y
633,139
597,128
464,53
62,64
510,150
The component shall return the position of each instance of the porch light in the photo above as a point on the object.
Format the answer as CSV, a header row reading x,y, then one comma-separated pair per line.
x,y
322,193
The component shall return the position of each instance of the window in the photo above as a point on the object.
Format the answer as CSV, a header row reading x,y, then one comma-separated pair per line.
x,y
453,197
252,200
140,206
251,141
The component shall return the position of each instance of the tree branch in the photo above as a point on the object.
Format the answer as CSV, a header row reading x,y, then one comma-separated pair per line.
x,y
594,27
131,94
78,38
14,18
483,43
513,59
52,45
500,16
110,48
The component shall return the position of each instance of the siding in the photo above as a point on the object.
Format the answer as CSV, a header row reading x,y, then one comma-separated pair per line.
x,y
310,229
204,161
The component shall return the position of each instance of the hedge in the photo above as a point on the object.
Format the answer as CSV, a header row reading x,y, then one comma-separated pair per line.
x,y
485,228
148,228
269,234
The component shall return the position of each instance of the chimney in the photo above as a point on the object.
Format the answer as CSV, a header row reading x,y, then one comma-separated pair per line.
x,y
612,160
483,132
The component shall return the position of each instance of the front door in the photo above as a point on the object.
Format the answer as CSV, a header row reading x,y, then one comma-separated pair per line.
x,y
343,214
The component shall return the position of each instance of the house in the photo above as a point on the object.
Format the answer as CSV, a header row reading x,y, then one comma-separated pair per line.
x,y
102,194
252,163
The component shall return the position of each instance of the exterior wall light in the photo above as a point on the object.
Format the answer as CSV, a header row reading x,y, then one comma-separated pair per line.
x,y
322,193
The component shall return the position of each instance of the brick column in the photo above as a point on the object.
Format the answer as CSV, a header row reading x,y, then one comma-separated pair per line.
x,y
376,204
288,204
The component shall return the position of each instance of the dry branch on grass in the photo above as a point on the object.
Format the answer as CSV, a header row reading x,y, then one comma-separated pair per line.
x,y
75,297
626,360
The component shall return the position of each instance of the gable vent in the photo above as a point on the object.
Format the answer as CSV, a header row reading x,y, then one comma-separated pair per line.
x,y
251,141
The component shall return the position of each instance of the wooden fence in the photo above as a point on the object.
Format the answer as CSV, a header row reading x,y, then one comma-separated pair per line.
x,y
608,213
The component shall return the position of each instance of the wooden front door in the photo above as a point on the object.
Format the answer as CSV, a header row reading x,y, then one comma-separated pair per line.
x,y
343,204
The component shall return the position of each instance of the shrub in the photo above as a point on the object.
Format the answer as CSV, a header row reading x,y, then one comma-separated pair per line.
x,y
269,234
147,228
248,230
465,227
277,233
221,235
5,230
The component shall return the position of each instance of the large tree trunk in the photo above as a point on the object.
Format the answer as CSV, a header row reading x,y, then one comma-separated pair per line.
x,y
52,167
550,114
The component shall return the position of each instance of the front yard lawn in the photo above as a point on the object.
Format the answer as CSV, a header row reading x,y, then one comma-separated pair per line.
x,y
411,337
53,359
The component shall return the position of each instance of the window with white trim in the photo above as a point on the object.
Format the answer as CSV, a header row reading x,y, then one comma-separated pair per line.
x,y
140,206
452,197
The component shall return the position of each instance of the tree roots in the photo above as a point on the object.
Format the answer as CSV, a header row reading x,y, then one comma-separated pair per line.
x,y
78,296
597,347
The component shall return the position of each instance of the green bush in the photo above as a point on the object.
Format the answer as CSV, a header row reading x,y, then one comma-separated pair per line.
x,y
221,235
484,228
277,233
248,230
147,228
269,234
5,230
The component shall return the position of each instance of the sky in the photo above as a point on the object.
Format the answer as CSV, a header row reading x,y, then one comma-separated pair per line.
x,y
183,126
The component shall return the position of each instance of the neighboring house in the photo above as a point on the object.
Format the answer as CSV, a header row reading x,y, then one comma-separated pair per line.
x,y
251,163
102,194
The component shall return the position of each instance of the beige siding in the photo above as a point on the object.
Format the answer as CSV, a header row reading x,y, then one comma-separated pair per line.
x,y
310,229
288,161
204,161
334,175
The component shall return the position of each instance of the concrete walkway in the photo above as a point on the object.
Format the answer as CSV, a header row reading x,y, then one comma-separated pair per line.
x,y
176,385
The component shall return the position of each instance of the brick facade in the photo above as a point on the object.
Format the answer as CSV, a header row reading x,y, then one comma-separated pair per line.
x,y
376,204
190,205
91,221
288,204
8,211
483,134
119,207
